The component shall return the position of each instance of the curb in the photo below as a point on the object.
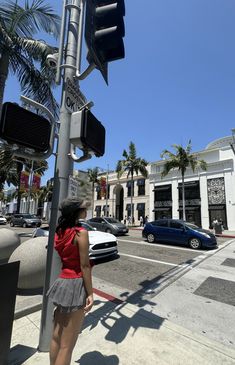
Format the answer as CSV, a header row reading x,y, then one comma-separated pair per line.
x,y
27,310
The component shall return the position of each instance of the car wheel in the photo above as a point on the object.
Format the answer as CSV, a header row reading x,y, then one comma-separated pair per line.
x,y
150,238
108,230
11,224
24,225
195,243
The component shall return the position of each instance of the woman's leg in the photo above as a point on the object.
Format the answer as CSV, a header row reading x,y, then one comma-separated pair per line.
x,y
66,331
55,342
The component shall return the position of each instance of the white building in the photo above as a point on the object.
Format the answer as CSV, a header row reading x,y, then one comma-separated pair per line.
x,y
209,194
118,201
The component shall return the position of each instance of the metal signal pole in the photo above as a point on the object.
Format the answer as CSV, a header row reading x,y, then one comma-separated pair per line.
x,y
71,51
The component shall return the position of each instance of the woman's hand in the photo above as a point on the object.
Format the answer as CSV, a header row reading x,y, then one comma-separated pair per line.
x,y
89,303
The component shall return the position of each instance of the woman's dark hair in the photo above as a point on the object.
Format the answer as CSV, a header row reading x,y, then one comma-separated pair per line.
x,y
68,221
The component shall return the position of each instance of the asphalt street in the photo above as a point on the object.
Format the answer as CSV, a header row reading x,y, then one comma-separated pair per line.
x,y
140,265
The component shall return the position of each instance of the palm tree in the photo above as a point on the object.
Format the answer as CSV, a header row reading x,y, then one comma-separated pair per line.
x,y
93,178
18,51
14,167
181,160
44,194
131,164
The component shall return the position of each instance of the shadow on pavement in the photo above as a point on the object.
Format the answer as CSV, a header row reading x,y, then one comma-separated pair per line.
x,y
95,357
19,354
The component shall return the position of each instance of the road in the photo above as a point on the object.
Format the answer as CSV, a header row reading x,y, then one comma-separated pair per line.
x,y
141,267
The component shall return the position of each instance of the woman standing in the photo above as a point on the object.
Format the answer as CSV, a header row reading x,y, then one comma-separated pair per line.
x,y
71,293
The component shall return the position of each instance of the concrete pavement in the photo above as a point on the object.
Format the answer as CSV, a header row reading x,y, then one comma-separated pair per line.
x,y
120,334
191,321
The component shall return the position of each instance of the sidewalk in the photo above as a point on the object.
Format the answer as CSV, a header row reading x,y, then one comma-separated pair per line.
x,y
183,324
121,334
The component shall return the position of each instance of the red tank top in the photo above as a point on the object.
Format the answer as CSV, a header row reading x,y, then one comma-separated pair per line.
x,y
69,253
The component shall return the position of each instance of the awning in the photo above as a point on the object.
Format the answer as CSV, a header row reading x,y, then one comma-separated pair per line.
x,y
98,208
162,188
161,209
140,206
189,184
141,182
217,207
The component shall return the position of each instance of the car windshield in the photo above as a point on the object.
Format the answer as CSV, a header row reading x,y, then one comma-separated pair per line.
x,y
29,216
87,226
112,220
192,226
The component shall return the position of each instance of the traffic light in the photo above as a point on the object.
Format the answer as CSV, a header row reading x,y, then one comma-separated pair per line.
x,y
86,132
104,32
22,127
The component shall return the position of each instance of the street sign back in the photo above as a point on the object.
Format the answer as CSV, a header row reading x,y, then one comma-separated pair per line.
x,y
74,98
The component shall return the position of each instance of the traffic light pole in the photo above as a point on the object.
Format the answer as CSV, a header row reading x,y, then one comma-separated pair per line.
x,y
64,163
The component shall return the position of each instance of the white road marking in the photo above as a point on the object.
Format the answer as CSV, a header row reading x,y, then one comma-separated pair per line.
x,y
162,245
145,259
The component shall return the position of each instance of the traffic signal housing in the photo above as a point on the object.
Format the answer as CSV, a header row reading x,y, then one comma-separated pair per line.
x,y
104,32
87,132
24,128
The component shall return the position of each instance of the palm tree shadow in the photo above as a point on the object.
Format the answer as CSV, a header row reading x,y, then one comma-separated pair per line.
x,y
95,357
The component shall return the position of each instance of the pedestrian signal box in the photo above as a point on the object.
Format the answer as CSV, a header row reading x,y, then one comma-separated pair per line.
x,y
24,128
87,132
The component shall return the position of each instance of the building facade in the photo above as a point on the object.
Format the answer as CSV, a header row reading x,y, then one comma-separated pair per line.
x,y
117,202
208,194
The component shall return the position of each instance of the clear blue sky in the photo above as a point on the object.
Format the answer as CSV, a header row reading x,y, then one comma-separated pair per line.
x,y
177,81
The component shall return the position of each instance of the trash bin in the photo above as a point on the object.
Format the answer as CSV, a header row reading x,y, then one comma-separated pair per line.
x,y
218,228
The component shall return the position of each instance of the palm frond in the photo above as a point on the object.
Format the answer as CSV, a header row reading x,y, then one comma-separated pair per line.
x,y
28,20
37,49
167,154
34,83
132,151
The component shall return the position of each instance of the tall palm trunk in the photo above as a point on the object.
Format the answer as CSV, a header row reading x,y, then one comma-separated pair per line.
x,y
131,197
19,170
183,198
4,64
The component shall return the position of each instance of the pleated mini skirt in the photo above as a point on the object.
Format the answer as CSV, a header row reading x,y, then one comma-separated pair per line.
x,y
68,295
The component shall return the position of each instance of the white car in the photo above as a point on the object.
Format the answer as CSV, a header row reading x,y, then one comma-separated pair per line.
x,y
3,220
101,244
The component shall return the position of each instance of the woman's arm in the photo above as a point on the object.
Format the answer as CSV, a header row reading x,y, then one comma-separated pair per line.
x,y
83,247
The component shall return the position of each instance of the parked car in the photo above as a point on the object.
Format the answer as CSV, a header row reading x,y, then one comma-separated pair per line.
x,y
179,232
8,216
109,225
3,220
25,220
102,245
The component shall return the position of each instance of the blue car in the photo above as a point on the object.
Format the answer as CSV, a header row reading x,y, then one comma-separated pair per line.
x,y
179,232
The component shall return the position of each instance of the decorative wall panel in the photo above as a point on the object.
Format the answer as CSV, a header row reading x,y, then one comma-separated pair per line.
x,y
216,191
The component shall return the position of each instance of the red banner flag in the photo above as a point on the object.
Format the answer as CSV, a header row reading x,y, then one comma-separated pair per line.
x,y
36,183
24,181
